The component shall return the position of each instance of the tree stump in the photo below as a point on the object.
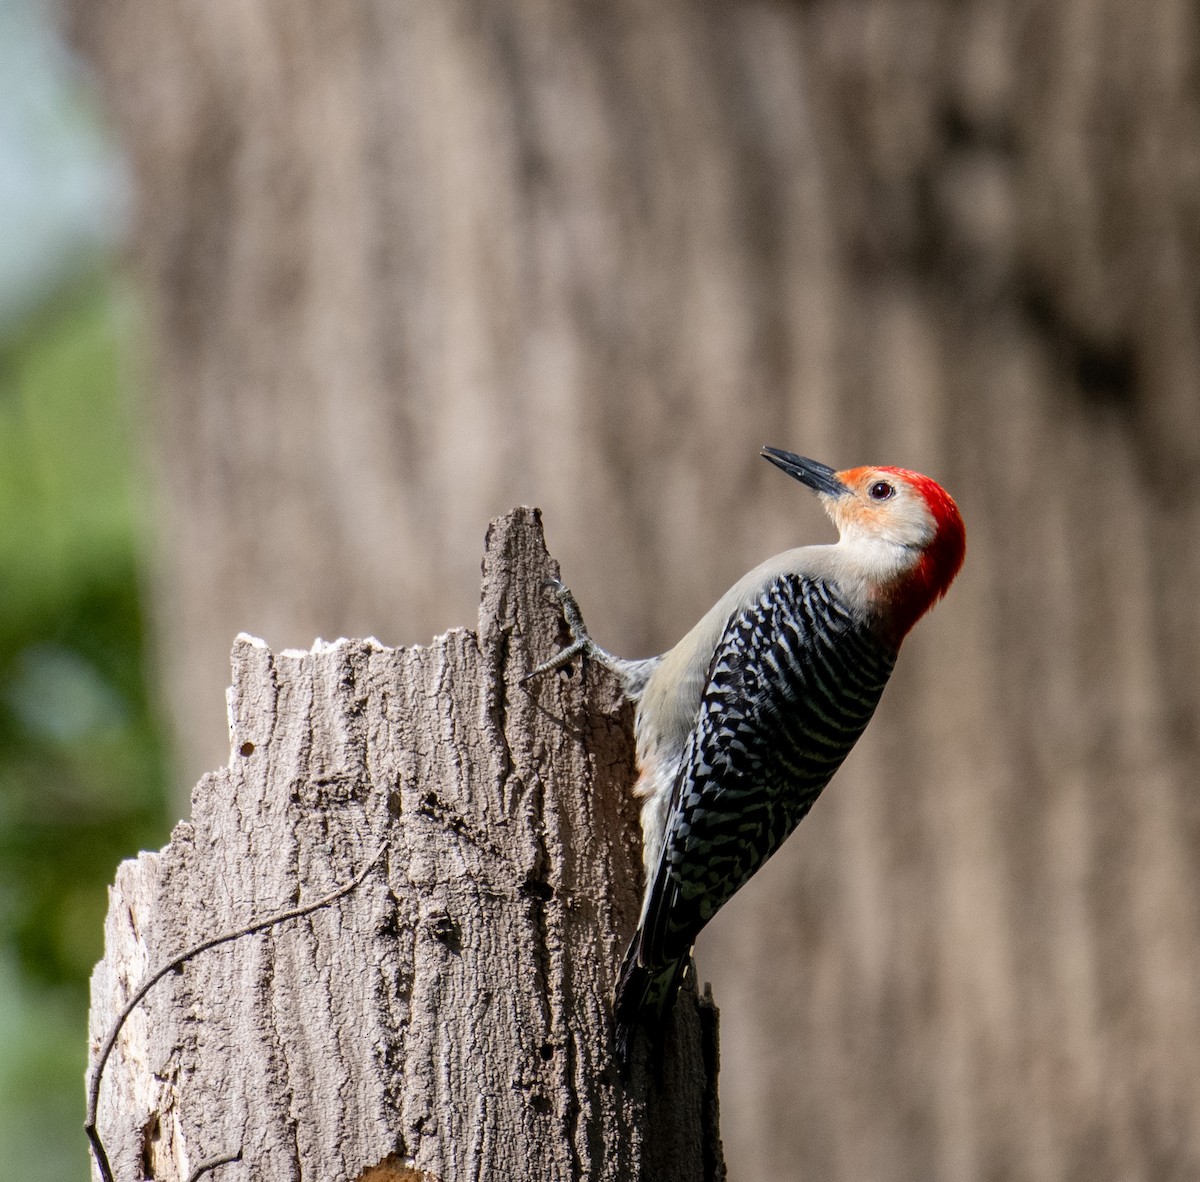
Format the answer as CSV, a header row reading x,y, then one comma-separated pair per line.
x,y
450,1016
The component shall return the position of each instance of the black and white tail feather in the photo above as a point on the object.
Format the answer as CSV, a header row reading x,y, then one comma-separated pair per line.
x,y
642,998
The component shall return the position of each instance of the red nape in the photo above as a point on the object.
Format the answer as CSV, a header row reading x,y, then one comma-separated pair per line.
x,y
939,564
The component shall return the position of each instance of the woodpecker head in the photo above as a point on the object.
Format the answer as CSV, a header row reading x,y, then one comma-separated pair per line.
x,y
904,529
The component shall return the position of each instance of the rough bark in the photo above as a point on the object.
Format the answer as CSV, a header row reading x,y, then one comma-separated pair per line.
x,y
405,259
451,1014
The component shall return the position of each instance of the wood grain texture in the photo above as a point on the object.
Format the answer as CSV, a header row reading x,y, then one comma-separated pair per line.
x,y
451,1015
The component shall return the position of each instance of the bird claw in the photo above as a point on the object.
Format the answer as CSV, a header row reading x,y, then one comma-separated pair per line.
x,y
581,642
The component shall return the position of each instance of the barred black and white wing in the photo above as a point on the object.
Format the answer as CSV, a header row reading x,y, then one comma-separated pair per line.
x,y
791,686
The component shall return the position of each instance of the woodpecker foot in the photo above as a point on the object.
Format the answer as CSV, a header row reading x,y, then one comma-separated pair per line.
x,y
581,642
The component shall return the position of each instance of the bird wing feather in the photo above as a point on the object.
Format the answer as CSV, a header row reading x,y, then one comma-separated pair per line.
x,y
792,683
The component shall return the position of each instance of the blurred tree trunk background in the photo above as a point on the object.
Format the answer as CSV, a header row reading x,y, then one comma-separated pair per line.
x,y
407,264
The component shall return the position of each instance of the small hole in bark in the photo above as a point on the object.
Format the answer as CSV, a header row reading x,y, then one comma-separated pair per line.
x,y
538,889
445,931
546,1051
247,748
539,1104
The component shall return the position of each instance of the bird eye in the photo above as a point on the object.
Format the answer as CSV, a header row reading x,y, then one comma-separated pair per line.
x,y
881,491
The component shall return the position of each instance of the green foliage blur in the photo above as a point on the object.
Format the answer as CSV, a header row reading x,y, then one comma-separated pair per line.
x,y
82,758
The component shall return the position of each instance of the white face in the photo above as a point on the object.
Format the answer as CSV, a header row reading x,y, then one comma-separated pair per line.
x,y
881,507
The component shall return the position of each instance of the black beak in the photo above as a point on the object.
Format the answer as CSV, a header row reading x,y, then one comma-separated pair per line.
x,y
817,476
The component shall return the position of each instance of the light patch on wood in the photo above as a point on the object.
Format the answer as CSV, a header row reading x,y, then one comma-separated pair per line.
x,y
393,1169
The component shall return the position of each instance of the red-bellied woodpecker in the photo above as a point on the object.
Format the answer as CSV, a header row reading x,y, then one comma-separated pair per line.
x,y
747,718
